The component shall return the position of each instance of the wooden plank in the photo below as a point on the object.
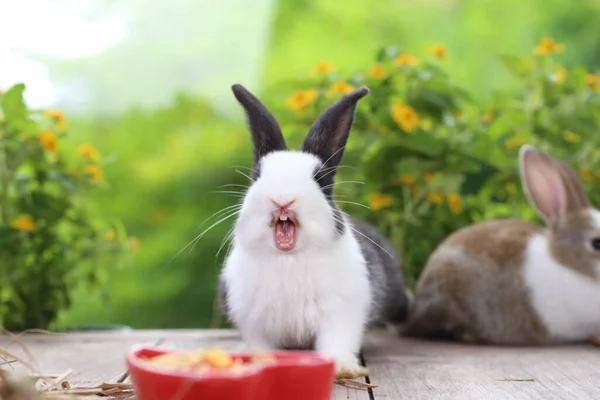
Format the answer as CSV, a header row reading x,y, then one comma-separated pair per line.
x,y
413,369
347,393
97,357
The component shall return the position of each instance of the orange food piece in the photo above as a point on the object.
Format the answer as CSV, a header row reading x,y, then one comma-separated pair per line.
x,y
218,358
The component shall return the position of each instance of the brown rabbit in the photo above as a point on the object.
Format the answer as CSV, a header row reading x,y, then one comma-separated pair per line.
x,y
515,283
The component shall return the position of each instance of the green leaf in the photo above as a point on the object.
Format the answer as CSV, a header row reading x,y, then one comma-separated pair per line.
x,y
424,144
8,237
13,104
6,294
42,205
577,77
16,112
432,103
518,66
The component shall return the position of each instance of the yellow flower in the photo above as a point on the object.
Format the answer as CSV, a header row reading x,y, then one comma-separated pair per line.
x,y
572,137
24,223
342,87
405,116
95,172
513,143
301,99
110,235
89,152
585,174
322,68
378,72
56,115
560,75
48,140
488,116
435,198
405,60
134,243
439,51
406,179
593,82
548,46
428,177
380,200
454,203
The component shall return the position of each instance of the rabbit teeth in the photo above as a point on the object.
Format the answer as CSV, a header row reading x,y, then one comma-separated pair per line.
x,y
285,230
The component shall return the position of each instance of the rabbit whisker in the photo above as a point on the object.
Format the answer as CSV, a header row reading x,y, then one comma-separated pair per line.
x,y
361,234
195,241
221,211
225,240
330,157
329,170
247,176
234,185
340,182
241,166
234,192
325,174
200,236
353,202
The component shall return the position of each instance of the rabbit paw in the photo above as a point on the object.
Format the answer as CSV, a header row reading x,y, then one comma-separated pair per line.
x,y
349,368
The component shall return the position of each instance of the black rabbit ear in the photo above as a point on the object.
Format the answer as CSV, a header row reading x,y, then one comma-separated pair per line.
x,y
328,135
266,134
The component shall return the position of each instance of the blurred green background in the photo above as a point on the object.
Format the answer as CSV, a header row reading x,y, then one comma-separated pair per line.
x,y
159,101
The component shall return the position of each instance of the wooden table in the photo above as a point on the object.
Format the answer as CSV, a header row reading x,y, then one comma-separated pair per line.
x,y
401,368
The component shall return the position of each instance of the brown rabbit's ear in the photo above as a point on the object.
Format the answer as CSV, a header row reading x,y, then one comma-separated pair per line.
x,y
552,187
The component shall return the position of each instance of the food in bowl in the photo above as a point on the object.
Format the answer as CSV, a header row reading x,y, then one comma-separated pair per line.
x,y
202,361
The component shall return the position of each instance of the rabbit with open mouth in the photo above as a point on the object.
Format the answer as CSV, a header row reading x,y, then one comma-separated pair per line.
x,y
300,274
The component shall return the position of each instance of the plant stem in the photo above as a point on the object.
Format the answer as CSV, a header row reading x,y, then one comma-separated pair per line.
x,y
5,183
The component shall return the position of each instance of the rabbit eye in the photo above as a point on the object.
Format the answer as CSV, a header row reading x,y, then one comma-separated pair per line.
x,y
596,243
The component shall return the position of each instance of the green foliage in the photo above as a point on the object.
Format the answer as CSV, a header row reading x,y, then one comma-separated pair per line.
x,y
177,158
434,160
49,243
475,31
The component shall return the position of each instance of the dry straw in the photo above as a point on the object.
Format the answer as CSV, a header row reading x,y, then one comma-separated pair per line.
x,y
32,384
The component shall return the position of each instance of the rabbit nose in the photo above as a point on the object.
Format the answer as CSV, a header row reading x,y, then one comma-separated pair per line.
x,y
283,206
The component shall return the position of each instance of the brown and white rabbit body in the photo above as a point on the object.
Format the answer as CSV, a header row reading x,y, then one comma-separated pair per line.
x,y
516,283
300,274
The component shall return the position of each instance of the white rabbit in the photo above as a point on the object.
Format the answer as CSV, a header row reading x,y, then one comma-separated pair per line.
x,y
516,283
299,274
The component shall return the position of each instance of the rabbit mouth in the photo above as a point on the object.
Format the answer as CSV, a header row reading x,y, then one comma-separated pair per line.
x,y
285,231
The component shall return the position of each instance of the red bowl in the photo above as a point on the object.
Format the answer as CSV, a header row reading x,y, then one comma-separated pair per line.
x,y
294,376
